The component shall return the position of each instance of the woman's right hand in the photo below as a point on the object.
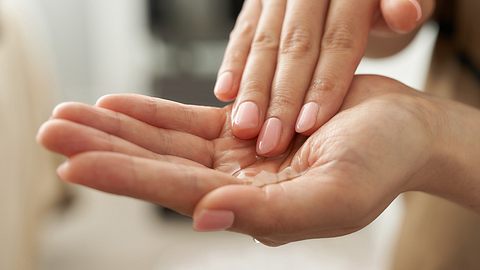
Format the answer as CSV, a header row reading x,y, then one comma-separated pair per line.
x,y
289,63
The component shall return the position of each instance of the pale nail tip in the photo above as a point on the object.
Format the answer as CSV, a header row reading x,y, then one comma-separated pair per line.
x,y
300,129
62,170
261,152
262,149
213,221
39,135
57,109
220,93
418,9
197,228
224,84
305,127
102,99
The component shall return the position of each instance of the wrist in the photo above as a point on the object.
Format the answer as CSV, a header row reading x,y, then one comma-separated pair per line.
x,y
452,171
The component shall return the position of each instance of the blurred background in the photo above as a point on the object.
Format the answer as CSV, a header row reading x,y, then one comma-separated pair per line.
x,y
59,50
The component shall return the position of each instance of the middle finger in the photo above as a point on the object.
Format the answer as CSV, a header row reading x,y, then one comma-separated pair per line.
x,y
298,54
252,101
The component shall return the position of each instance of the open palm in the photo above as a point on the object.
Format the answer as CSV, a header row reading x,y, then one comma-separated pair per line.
x,y
186,158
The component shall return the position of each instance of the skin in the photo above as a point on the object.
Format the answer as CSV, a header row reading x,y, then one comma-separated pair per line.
x,y
287,54
386,139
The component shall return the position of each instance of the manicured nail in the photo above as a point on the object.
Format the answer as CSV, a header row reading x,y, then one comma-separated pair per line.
x,y
224,84
269,136
308,117
418,8
213,220
247,116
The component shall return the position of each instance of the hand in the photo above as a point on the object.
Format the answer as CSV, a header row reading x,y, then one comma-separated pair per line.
x,y
184,157
290,63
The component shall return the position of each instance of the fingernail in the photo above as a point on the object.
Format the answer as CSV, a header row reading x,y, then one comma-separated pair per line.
x,y
247,116
270,136
62,169
224,84
213,220
418,8
308,117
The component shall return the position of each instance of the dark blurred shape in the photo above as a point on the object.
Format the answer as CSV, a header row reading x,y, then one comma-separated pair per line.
x,y
235,9
189,30
176,20
187,91
168,214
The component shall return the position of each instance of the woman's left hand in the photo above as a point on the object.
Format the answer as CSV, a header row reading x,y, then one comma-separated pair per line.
x,y
186,158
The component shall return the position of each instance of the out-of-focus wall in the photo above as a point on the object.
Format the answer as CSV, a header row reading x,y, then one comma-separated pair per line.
x,y
68,30
100,47
120,46
28,185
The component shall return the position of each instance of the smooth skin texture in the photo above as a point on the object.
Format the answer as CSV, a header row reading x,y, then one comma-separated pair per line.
x,y
386,139
289,63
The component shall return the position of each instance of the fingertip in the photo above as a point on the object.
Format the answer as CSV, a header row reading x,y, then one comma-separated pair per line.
x,y
40,136
105,100
65,109
315,114
62,171
58,109
213,220
418,8
235,206
49,134
402,16
245,134
224,87
246,121
307,117
270,139
226,99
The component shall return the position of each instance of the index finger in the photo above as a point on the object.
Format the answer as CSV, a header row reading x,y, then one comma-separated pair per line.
x,y
205,122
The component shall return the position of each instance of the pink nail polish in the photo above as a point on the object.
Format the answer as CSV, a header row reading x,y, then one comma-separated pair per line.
x,y
269,136
308,117
418,8
247,116
224,84
213,220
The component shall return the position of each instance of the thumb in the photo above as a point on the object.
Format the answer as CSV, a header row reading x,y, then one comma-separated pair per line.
x,y
282,213
404,16
244,209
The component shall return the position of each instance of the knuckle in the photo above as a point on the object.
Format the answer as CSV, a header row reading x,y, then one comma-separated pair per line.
x,y
151,105
265,41
252,85
233,58
188,114
297,41
253,89
242,30
323,84
339,38
283,99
